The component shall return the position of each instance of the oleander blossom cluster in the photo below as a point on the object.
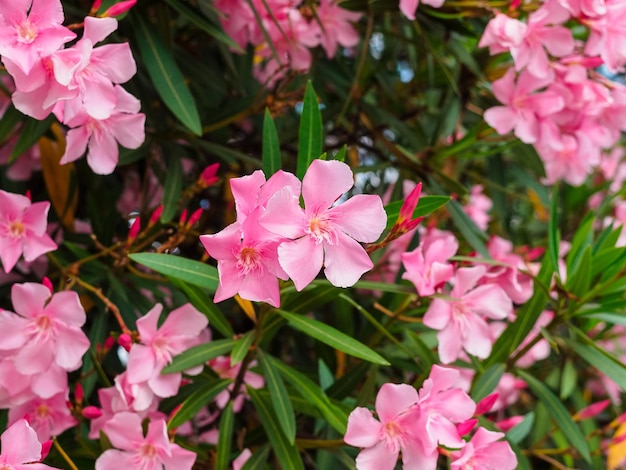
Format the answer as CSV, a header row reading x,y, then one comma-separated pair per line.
x,y
419,425
553,97
293,28
274,238
79,84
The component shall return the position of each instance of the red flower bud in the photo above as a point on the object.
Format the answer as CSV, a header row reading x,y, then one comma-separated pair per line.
x,y
45,449
119,8
91,412
485,405
125,341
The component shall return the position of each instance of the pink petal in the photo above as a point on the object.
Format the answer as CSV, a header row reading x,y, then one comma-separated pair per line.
x,y
20,444
393,399
128,129
66,307
76,144
363,429
450,345
230,280
222,244
283,215
438,314
35,357
96,29
71,345
35,246
180,459
29,298
261,287
379,457
13,329
466,278
301,259
183,321
490,300
113,459
10,252
408,7
148,324
114,61
323,183
501,118
165,385
362,217
478,340
103,153
345,262
124,430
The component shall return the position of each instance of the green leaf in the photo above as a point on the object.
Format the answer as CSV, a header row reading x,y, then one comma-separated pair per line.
x,y
569,379
198,355
554,236
271,146
9,120
165,74
332,337
559,413
600,359
470,231
311,392
257,459
517,433
241,348
286,453
172,188
29,135
225,437
425,206
582,238
193,272
196,401
201,22
579,280
311,136
487,382
204,304
279,397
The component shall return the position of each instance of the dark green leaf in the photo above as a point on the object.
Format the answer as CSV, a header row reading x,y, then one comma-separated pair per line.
x,y
224,440
600,359
554,236
311,136
29,135
9,120
286,453
198,355
472,234
193,272
172,188
279,397
257,459
579,280
271,146
332,337
196,401
165,74
518,432
487,382
242,345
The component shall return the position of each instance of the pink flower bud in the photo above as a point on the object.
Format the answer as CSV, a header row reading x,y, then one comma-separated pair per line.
x,y
617,421
208,175
183,217
195,216
79,393
156,215
134,230
96,6
119,8
92,412
485,405
466,426
592,410
45,449
125,341
108,343
28,195
48,283
618,439
509,423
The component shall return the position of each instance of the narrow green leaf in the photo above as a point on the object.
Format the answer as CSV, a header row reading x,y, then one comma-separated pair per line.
x,y
559,413
196,17
472,234
582,238
600,359
172,188
271,146
311,137
554,236
9,120
579,279
29,135
241,348
258,459
517,433
198,355
569,380
193,272
286,453
196,401
332,337
425,206
487,382
279,397
204,304
341,154
224,440
313,394
165,74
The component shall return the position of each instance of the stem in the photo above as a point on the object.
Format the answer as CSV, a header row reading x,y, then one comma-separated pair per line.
x,y
107,303
66,457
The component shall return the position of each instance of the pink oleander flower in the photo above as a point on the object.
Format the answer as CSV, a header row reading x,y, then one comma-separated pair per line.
x,y
159,345
338,29
45,331
409,7
485,450
396,431
502,34
30,29
125,126
607,36
324,234
461,320
22,229
523,109
21,449
133,450
48,417
241,460
427,266
478,207
17,388
225,370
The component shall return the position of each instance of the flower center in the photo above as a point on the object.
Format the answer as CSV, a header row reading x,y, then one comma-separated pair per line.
x,y
148,451
393,436
249,259
26,32
43,323
43,411
321,230
16,229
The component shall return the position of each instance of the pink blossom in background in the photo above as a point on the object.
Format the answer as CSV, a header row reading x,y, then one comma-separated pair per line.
x,y
22,229
409,7
240,461
485,450
45,330
461,321
324,234
427,266
21,449
30,29
159,345
478,207
48,417
337,24
503,33
225,370
395,431
133,450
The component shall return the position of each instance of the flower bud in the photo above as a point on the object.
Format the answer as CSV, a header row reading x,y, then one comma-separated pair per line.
x,y
119,8
91,412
